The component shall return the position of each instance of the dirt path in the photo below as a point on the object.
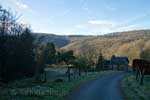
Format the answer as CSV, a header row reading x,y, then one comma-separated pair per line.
x,y
103,88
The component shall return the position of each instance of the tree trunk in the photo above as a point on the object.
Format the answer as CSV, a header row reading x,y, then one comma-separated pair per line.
x,y
37,74
79,72
69,74
45,76
86,71
37,71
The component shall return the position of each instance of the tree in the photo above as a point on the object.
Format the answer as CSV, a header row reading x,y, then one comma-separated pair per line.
x,y
51,51
26,52
45,54
16,48
88,52
145,54
4,16
99,65
81,63
41,56
68,58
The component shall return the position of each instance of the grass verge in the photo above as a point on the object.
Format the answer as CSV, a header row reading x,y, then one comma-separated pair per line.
x,y
51,90
132,89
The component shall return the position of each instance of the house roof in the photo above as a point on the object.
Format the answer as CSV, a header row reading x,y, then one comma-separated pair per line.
x,y
120,59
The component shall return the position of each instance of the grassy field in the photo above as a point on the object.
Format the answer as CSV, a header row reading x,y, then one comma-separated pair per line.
x,y
132,89
51,90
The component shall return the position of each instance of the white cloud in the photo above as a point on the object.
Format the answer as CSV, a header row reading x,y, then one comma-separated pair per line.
x,y
81,26
106,26
71,33
102,22
104,30
21,5
127,27
96,26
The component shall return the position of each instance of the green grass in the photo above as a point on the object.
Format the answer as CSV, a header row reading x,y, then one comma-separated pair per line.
x,y
132,89
51,90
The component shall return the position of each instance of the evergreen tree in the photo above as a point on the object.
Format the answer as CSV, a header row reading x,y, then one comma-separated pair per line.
x,y
99,65
51,51
26,53
16,48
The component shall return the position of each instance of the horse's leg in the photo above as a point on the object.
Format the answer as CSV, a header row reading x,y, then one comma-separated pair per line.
x,y
142,77
136,74
140,74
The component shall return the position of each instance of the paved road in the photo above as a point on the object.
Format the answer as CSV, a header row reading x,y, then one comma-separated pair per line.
x,y
103,88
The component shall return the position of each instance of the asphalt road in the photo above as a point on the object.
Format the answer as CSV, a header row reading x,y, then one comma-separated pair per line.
x,y
103,88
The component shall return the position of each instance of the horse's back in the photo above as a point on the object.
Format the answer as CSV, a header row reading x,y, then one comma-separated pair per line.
x,y
142,65
136,63
139,62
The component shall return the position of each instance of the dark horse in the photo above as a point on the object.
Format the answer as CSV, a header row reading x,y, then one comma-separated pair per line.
x,y
141,67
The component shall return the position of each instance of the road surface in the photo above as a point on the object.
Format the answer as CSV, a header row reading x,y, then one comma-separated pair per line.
x,y
103,88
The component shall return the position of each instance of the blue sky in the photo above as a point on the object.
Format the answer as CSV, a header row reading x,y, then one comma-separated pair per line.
x,y
82,17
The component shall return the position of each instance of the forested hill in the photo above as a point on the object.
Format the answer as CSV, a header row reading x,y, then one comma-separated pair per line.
x,y
120,43
128,43
58,40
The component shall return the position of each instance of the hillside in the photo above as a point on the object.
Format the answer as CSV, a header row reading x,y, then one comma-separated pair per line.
x,y
121,43
74,38
58,40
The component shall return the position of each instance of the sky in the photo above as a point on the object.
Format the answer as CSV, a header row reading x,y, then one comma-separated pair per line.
x,y
81,17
